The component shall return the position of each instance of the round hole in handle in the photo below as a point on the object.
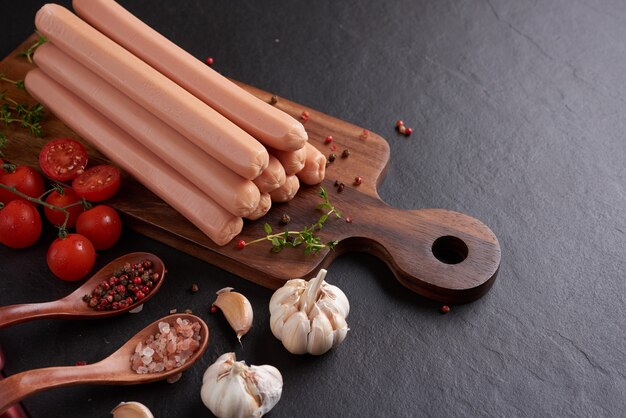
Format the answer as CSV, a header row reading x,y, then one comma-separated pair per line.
x,y
450,250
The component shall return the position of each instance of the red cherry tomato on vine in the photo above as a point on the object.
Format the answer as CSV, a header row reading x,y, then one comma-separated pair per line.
x,y
71,258
57,217
97,183
20,224
101,225
63,159
24,179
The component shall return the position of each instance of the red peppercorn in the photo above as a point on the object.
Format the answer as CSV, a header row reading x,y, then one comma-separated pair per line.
x,y
349,219
115,306
137,280
121,288
358,180
444,309
147,264
364,134
305,116
333,147
328,139
213,309
408,131
155,277
241,244
139,295
399,123
145,289
130,300
80,363
105,285
209,61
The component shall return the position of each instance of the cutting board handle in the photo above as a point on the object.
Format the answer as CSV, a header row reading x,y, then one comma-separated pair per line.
x,y
440,254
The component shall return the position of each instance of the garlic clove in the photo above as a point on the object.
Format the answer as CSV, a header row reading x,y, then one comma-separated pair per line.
x,y
269,387
321,336
341,329
237,310
131,410
338,298
222,365
295,333
288,294
278,318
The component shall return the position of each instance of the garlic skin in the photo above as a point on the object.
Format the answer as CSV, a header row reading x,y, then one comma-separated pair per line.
x,y
309,317
231,389
131,410
237,310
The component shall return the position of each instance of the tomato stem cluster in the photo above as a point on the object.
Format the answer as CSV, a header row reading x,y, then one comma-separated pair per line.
x,y
39,200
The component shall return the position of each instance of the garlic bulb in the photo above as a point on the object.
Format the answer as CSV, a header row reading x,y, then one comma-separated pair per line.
x,y
237,310
309,317
230,388
131,410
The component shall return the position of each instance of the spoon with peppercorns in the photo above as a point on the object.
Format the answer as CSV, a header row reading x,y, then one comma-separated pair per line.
x,y
162,350
122,285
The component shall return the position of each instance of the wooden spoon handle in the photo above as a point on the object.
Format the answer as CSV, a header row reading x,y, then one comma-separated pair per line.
x,y
19,386
16,314
440,254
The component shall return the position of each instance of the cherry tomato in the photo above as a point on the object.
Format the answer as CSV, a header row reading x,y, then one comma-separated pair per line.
x,y
20,224
57,217
101,225
24,179
63,159
71,258
97,183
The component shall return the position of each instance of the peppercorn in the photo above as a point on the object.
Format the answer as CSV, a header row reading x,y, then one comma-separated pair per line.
x,y
194,288
349,219
209,61
408,132
188,311
304,116
358,180
336,183
285,219
241,244
345,153
332,157
213,309
274,100
328,139
155,277
147,264
117,298
333,147
444,309
341,187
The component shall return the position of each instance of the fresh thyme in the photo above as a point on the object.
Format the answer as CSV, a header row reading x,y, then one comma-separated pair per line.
x,y
3,142
307,236
28,117
28,53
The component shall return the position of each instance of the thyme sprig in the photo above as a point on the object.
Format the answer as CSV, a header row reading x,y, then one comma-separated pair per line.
x,y
28,117
39,200
307,236
3,142
28,53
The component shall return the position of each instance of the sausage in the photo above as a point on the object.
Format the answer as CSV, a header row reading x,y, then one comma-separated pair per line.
x,y
231,191
314,166
265,204
272,177
268,124
292,161
287,191
202,125
219,225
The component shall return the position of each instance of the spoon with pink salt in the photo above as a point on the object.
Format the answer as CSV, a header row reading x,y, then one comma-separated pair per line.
x,y
73,306
113,370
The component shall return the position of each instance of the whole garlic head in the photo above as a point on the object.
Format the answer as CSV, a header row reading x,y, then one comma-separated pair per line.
x,y
231,389
309,317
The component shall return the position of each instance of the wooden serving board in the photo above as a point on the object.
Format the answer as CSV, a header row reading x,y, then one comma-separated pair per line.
x,y
440,254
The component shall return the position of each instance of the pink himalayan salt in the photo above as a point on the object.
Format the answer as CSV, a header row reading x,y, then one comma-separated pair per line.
x,y
168,349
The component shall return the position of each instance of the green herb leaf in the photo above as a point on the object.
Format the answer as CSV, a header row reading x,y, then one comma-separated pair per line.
x,y
267,228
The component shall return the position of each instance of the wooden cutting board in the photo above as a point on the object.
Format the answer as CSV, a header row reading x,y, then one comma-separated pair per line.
x,y
437,253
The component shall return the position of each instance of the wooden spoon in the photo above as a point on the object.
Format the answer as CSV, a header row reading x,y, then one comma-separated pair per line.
x,y
72,306
113,370
16,411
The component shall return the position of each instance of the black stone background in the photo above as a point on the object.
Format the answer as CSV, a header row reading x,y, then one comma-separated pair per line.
x,y
518,111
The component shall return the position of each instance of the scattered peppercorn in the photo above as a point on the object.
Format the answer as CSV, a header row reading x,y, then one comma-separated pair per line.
x,y
209,61
305,116
364,134
399,123
408,132
332,157
117,292
336,183
349,219
80,363
333,147
328,139
444,309
341,187
188,311
241,244
194,288
273,99
213,309
403,129
345,153
358,180
285,219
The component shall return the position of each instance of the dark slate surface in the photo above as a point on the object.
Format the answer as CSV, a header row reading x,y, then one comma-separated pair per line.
x,y
518,112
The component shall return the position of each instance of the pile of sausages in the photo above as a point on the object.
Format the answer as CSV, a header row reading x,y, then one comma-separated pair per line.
x,y
208,148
